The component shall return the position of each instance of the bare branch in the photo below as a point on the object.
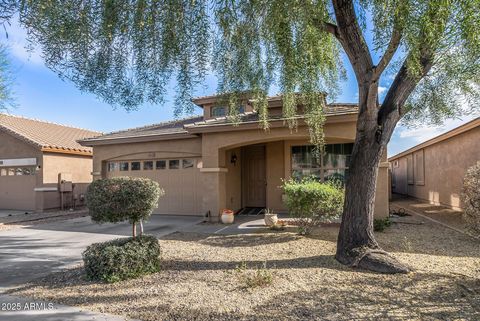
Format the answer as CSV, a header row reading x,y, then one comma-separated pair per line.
x,y
389,52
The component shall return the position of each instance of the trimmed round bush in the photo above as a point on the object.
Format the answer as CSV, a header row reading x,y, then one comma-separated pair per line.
x,y
122,259
122,198
312,202
471,198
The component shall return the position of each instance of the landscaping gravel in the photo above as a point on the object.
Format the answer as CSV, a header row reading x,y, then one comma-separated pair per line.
x,y
199,280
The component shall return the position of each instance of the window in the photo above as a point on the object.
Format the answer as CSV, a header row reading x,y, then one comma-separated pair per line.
x,y
3,172
28,170
147,165
174,164
135,166
161,164
419,165
410,169
332,166
11,172
123,166
187,163
112,166
218,111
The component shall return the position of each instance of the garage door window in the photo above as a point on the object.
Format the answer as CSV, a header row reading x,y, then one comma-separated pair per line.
x,y
11,172
112,166
3,172
187,163
148,165
135,166
123,166
174,164
161,164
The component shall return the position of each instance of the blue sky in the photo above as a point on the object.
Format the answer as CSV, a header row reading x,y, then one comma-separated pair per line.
x,y
41,94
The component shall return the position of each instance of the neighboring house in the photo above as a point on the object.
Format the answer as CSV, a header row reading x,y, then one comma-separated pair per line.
x,y
206,163
434,170
32,155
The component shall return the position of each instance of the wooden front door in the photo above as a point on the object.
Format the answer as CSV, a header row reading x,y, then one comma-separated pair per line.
x,y
254,176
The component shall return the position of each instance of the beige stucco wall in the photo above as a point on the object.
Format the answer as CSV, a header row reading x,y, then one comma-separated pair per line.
x,y
17,192
445,165
80,167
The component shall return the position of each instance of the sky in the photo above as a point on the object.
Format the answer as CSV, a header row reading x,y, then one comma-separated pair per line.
x,y
41,94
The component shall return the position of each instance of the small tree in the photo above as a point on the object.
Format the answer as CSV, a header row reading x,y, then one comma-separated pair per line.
x,y
123,198
312,202
471,198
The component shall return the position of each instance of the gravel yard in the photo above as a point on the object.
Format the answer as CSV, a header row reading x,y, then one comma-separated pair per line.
x,y
199,280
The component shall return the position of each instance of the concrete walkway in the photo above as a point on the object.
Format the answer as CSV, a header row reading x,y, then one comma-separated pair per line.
x,y
15,308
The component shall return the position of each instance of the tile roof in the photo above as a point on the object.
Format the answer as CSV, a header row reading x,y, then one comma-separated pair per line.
x,y
165,128
182,126
46,135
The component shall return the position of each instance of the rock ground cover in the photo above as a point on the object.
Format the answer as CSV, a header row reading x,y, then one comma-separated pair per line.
x,y
198,279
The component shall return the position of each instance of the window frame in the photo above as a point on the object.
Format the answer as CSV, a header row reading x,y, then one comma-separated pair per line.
x,y
321,164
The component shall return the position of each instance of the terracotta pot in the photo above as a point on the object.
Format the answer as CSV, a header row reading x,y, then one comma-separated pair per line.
x,y
270,219
227,217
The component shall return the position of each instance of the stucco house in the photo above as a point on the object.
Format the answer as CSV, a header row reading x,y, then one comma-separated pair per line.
x,y
32,155
434,170
206,164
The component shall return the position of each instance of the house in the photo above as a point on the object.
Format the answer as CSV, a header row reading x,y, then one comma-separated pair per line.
x,y
434,170
206,164
32,155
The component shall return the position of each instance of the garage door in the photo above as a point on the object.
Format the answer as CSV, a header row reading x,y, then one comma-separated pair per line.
x,y
17,189
178,177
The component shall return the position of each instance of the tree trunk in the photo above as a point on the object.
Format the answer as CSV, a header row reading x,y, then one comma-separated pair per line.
x,y
134,229
356,244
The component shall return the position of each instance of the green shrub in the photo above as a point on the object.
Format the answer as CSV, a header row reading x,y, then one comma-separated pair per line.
x,y
122,198
312,202
471,198
122,259
380,224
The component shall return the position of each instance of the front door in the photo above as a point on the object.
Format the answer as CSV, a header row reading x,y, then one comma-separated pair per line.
x,y
254,176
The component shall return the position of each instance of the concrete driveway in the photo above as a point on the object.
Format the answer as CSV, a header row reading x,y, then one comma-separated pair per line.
x,y
34,251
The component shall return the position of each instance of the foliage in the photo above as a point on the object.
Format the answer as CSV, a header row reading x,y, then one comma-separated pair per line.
x,y
6,80
471,198
122,259
256,277
312,202
380,224
122,198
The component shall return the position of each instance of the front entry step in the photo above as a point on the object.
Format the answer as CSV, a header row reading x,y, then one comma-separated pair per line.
x,y
251,211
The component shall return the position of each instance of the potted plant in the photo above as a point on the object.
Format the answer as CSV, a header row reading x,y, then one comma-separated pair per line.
x,y
227,216
270,217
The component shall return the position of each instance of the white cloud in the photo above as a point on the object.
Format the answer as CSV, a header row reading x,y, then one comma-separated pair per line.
x,y
419,135
17,44
381,90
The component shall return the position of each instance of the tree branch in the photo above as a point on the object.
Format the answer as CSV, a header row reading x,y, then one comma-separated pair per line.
x,y
389,52
352,40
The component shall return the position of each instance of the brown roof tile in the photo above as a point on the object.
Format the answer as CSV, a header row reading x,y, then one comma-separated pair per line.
x,y
46,134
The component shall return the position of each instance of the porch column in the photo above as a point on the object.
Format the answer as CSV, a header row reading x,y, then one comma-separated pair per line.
x,y
382,192
213,178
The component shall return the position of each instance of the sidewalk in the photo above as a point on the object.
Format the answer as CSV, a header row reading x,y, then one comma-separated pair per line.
x,y
13,308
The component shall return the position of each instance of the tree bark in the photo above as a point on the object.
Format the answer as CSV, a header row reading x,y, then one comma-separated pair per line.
x,y
356,245
134,229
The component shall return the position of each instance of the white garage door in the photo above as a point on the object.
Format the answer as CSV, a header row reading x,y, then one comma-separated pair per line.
x,y
178,177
